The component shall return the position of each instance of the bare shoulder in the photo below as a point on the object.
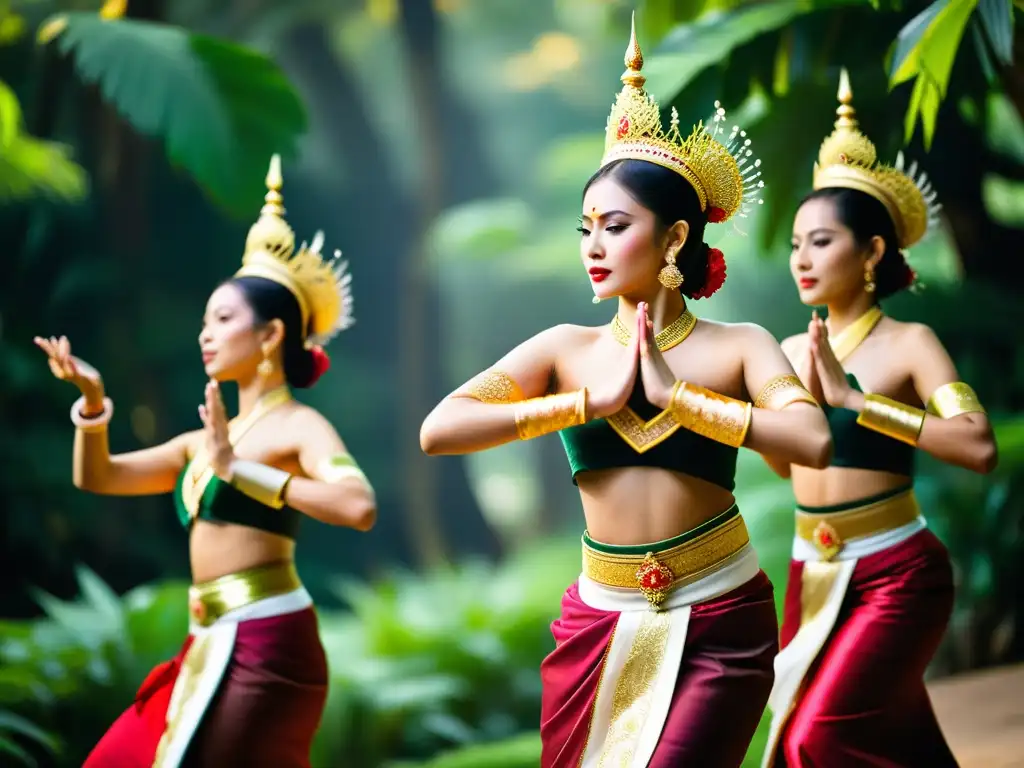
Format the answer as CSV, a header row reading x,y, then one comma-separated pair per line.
x,y
304,418
567,337
911,337
189,442
740,333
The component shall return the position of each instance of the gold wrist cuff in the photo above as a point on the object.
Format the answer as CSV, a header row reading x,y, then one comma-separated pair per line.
x,y
260,482
710,414
952,399
892,418
543,415
783,391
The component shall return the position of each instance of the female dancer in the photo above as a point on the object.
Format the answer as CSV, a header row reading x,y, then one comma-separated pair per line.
x,y
870,588
249,684
665,644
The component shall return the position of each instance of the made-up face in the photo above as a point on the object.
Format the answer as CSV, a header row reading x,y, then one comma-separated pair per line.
x,y
619,243
231,342
826,262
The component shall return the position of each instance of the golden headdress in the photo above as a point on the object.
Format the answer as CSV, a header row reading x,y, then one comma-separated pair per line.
x,y
848,159
725,175
321,286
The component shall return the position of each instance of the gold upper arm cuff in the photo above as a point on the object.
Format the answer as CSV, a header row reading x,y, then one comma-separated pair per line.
x,y
492,387
952,399
338,467
783,391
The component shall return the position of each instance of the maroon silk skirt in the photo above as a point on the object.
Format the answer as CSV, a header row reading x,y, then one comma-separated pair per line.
x,y
723,680
264,712
863,702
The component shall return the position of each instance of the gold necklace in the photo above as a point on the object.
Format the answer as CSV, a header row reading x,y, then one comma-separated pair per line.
x,y
847,340
668,337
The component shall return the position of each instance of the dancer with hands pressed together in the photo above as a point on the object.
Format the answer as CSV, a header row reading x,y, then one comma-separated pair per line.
x,y
250,682
665,644
870,588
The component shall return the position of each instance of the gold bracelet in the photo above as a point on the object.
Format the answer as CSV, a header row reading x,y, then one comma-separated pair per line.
x,y
952,399
783,391
710,414
543,415
892,418
260,482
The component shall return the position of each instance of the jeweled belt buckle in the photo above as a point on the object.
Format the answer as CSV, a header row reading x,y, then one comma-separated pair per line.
x,y
655,579
197,608
826,540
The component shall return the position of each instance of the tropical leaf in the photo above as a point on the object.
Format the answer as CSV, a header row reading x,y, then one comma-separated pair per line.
x,y
222,110
30,166
690,48
997,20
937,30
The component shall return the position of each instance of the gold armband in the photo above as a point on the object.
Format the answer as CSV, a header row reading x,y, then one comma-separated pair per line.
x,y
260,482
338,467
542,415
952,399
892,418
783,391
710,414
492,387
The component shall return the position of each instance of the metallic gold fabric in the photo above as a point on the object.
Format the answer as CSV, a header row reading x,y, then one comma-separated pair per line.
x,y
952,399
829,531
710,414
847,340
892,418
816,582
212,599
642,435
783,391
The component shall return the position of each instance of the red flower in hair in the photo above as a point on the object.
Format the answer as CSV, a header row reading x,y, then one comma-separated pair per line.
x,y
321,362
716,274
909,276
715,215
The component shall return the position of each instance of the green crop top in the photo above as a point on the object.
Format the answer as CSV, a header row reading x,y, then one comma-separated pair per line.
x,y
858,447
597,445
224,503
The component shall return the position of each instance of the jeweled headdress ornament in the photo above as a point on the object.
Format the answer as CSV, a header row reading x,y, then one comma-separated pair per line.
x,y
848,159
721,169
321,286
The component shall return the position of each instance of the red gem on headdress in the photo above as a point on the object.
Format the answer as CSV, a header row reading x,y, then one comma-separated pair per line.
x,y
623,126
716,274
321,362
715,215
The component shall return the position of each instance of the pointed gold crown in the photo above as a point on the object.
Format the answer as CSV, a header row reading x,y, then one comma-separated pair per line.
x,y
724,174
321,286
848,159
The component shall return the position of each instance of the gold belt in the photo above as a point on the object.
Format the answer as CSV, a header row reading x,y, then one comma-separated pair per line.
x,y
830,531
210,600
655,575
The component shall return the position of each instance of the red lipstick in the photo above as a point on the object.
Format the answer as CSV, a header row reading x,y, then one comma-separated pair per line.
x,y
597,274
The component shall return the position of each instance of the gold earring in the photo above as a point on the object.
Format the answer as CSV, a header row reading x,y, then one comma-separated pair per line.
x,y
265,368
670,276
869,279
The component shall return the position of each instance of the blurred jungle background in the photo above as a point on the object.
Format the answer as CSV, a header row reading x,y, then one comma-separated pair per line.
x,y
442,145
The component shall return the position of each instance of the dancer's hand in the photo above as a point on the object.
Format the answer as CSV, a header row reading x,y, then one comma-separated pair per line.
x,y
835,388
215,423
613,395
66,367
657,377
807,371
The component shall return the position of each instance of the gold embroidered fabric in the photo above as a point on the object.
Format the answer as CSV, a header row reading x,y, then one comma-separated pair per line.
x,y
634,689
492,387
670,336
847,340
642,435
952,399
